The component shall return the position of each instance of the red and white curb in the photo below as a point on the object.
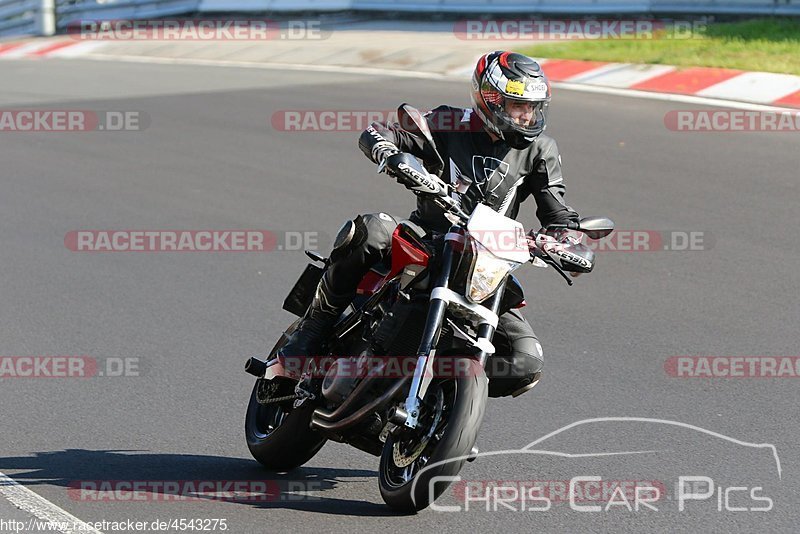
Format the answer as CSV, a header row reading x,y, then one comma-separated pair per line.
x,y
725,84
42,48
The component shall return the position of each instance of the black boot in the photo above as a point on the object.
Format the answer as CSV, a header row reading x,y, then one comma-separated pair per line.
x,y
317,324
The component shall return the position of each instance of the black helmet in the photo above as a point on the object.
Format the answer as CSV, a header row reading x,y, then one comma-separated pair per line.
x,y
501,77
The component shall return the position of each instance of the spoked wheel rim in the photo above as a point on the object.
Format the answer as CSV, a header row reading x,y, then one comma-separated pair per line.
x,y
411,453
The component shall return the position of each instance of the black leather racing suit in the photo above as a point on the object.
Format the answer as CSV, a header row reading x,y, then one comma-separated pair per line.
x,y
501,177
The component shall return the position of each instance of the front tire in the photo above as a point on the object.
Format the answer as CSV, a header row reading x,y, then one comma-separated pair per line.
x,y
460,403
278,435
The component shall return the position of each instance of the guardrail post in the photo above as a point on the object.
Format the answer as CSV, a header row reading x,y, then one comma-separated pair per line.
x,y
46,18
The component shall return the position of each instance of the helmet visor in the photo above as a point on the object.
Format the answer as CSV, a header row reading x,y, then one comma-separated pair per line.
x,y
527,117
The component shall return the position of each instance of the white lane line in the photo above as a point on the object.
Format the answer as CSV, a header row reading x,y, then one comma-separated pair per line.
x,y
615,91
41,508
268,66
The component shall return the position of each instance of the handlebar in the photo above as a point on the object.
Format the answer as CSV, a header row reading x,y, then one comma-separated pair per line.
x,y
562,256
571,225
536,244
562,253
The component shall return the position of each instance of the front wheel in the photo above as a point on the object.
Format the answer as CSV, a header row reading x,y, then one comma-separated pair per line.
x,y
451,416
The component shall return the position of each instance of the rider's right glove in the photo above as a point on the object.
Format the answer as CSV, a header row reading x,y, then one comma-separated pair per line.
x,y
562,235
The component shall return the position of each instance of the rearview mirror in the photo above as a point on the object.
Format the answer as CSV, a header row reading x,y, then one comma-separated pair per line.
x,y
412,121
596,227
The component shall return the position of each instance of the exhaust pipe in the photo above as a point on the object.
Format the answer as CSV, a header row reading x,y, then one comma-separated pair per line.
x,y
318,422
255,367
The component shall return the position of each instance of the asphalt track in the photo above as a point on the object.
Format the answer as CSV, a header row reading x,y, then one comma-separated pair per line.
x,y
210,159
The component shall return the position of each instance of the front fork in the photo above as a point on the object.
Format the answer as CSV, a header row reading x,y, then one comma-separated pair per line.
x,y
441,298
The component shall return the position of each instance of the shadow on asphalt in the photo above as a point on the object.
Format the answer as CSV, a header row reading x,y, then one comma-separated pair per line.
x,y
103,471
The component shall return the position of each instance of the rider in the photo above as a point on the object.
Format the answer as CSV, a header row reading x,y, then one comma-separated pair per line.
x,y
498,152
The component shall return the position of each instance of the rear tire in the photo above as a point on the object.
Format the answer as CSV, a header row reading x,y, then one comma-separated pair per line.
x,y
464,402
278,435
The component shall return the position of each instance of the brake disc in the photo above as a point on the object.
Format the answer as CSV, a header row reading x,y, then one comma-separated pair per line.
x,y
405,459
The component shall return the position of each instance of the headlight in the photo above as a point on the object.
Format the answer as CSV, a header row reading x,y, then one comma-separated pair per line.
x,y
487,273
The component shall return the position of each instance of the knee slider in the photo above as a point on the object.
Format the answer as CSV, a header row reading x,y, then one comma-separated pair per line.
x,y
527,385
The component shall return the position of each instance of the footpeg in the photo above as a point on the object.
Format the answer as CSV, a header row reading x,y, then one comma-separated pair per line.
x,y
473,454
255,367
316,257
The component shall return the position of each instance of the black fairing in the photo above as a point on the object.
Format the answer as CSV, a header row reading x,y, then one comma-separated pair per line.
x,y
514,295
416,234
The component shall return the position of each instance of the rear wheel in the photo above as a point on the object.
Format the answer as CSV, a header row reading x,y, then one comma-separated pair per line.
x,y
278,435
451,416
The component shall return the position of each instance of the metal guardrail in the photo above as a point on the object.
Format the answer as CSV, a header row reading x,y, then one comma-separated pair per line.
x,y
71,11
44,17
26,17
219,6
585,7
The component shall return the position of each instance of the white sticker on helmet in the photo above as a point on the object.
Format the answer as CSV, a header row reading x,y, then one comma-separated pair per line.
x,y
536,90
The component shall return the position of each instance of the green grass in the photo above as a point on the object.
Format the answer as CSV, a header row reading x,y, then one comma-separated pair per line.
x,y
770,45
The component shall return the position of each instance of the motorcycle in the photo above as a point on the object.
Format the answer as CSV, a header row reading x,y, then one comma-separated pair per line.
x,y
382,385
